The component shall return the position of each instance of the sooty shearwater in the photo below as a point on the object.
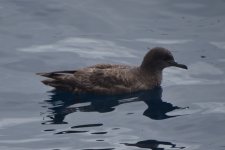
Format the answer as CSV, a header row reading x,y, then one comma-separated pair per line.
x,y
113,78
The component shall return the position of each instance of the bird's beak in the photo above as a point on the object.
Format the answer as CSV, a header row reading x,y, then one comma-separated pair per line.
x,y
175,64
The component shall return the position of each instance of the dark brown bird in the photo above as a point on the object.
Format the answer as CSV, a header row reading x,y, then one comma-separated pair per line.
x,y
115,79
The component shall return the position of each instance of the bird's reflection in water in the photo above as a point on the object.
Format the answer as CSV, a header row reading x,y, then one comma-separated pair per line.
x,y
59,104
154,145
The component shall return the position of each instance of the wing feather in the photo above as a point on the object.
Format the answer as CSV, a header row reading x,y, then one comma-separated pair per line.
x,y
104,78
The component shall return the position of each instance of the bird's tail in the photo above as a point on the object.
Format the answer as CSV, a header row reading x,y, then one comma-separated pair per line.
x,y
57,84
58,80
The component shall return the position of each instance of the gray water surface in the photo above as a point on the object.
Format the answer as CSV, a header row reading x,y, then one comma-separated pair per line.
x,y
187,112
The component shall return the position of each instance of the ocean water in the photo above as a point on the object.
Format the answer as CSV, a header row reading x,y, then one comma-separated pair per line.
x,y
187,112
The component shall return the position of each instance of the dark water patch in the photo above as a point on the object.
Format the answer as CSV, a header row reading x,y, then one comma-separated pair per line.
x,y
57,119
59,104
130,113
115,128
99,140
203,56
70,131
157,108
88,125
153,144
49,130
99,133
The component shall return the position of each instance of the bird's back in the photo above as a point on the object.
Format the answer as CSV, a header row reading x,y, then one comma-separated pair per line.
x,y
102,78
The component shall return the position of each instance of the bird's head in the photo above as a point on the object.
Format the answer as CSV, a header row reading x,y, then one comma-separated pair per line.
x,y
159,58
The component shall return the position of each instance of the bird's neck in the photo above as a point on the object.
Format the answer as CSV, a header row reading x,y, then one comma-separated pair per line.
x,y
152,77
